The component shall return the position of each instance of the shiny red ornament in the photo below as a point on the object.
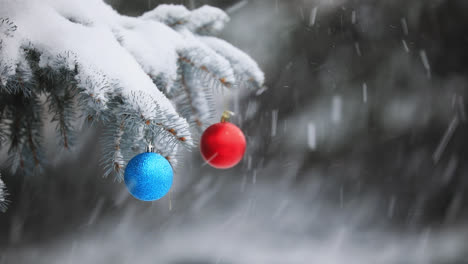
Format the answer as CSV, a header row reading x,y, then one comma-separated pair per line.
x,y
222,145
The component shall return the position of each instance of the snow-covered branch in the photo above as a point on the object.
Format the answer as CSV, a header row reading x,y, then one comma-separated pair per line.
x,y
151,78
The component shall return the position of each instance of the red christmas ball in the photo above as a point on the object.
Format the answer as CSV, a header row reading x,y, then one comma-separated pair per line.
x,y
222,145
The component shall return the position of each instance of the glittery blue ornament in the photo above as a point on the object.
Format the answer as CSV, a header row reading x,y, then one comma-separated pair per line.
x,y
148,176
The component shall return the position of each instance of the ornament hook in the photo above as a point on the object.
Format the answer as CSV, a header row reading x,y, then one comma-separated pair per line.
x,y
226,116
149,148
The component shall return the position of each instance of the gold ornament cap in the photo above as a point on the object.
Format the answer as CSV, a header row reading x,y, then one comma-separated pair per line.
x,y
226,116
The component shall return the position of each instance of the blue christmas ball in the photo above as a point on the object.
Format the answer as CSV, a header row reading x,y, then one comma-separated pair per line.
x,y
148,176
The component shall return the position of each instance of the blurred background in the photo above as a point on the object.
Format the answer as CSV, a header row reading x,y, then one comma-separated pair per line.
x,y
356,149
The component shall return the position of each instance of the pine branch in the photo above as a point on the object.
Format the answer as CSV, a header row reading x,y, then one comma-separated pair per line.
x,y
21,82
59,85
112,159
3,196
23,115
116,71
94,93
7,66
7,27
33,144
222,80
171,15
61,106
246,70
205,20
161,123
131,126
3,126
192,114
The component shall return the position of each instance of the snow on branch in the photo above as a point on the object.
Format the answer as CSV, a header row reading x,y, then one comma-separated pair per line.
x,y
171,15
147,79
245,69
206,20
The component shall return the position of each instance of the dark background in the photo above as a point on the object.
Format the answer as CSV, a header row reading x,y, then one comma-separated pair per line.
x,y
381,186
